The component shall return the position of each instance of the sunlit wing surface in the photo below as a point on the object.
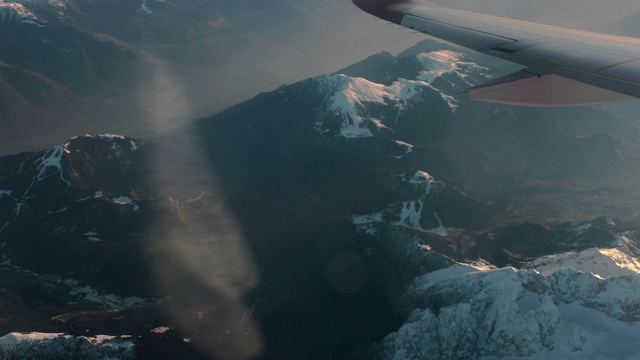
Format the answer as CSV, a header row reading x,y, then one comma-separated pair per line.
x,y
563,66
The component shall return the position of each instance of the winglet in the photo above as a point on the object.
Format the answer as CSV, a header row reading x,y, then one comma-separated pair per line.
x,y
391,10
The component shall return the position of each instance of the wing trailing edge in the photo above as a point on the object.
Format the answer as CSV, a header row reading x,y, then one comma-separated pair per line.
x,y
524,88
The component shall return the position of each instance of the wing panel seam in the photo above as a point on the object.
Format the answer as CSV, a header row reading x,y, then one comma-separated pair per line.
x,y
459,27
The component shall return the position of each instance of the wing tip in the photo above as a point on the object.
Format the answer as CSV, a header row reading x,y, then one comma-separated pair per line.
x,y
392,10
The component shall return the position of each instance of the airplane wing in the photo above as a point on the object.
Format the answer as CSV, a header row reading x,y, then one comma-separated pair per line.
x,y
563,66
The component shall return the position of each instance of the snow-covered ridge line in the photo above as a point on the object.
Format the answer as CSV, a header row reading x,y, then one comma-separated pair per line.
x,y
601,262
25,11
510,313
13,11
349,98
48,345
110,137
441,62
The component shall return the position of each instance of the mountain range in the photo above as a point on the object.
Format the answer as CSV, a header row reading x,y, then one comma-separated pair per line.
x,y
71,67
372,213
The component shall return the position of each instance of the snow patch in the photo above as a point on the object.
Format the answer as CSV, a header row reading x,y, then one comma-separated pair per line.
x,y
367,223
109,136
160,330
6,193
366,219
197,198
92,236
579,228
408,149
58,211
107,300
145,7
411,214
31,22
83,292
407,214
440,230
51,160
122,200
422,177
125,200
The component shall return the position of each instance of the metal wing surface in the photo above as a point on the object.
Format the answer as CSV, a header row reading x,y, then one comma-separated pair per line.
x,y
563,66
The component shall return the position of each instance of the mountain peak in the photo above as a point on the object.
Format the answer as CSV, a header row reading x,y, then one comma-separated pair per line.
x,y
351,99
16,12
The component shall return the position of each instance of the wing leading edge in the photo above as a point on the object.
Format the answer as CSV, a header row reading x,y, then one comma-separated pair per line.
x,y
563,66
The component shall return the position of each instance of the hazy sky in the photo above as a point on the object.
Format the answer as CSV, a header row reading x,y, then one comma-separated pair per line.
x,y
582,14
356,35
324,36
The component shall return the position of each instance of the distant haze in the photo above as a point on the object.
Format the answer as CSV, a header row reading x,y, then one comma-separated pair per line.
x,y
116,67
590,15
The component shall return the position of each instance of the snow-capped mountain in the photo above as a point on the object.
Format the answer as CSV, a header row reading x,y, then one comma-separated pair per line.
x,y
439,74
14,13
570,306
51,189
50,346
